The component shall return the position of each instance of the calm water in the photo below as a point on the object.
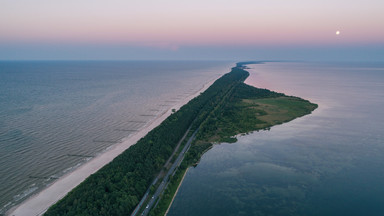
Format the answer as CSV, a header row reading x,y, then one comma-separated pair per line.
x,y
328,163
50,111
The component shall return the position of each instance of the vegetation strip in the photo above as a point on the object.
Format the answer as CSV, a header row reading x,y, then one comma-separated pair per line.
x,y
177,189
244,110
117,188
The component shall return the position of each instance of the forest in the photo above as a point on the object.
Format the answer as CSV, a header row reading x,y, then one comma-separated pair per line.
x,y
242,110
117,188
227,108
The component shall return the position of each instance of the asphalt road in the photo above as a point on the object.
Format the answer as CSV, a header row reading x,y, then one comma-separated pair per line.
x,y
164,183
170,172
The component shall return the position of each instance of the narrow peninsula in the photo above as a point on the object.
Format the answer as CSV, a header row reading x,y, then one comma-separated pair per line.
x,y
144,178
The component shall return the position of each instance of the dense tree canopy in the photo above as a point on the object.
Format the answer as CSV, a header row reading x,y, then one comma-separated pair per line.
x,y
117,188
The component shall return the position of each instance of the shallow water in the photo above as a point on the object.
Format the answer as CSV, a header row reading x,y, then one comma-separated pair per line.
x,y
52,112
326,163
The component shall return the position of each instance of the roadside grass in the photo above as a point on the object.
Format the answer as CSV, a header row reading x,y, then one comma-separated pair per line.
x,y
167,197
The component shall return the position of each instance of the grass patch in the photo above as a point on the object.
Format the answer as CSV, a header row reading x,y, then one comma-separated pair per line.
x,y
244,115
166,198
278,110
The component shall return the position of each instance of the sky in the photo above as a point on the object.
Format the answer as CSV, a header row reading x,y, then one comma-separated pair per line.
x,y
192,30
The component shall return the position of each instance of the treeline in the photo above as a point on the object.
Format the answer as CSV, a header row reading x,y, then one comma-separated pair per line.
x,y
228,108
233,116
212,130
117,188
234,112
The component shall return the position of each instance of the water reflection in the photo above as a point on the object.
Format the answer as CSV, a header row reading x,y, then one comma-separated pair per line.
x,y
326,163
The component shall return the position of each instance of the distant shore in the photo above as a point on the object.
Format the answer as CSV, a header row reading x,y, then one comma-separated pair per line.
x,y
39,203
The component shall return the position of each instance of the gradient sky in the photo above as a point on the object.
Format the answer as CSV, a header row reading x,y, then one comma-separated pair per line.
x,y
199,29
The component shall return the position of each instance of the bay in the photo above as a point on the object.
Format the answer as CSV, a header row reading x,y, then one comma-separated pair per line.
x,y
327,163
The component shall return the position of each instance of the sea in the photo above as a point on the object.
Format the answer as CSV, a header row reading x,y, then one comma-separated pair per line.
x,y
330,162
57,115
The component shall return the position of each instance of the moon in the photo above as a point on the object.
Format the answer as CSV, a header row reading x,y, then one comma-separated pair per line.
x,y
337,32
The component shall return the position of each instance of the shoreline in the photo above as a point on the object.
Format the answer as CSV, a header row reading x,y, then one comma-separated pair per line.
x,y
185,173
187,169
182,179
177,190
39,203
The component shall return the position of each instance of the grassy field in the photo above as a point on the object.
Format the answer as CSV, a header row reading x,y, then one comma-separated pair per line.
x,y
246,113
272,111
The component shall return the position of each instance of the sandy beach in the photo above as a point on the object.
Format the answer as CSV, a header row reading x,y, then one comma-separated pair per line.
x,y
40,202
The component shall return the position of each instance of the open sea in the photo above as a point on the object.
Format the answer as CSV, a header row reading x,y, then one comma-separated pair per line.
x,y
56,115
330,162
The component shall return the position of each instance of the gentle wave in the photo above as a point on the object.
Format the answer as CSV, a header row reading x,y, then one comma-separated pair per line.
x,y
53,110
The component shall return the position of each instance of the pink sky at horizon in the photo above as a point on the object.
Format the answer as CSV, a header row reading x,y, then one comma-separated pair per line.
x,y
173,23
